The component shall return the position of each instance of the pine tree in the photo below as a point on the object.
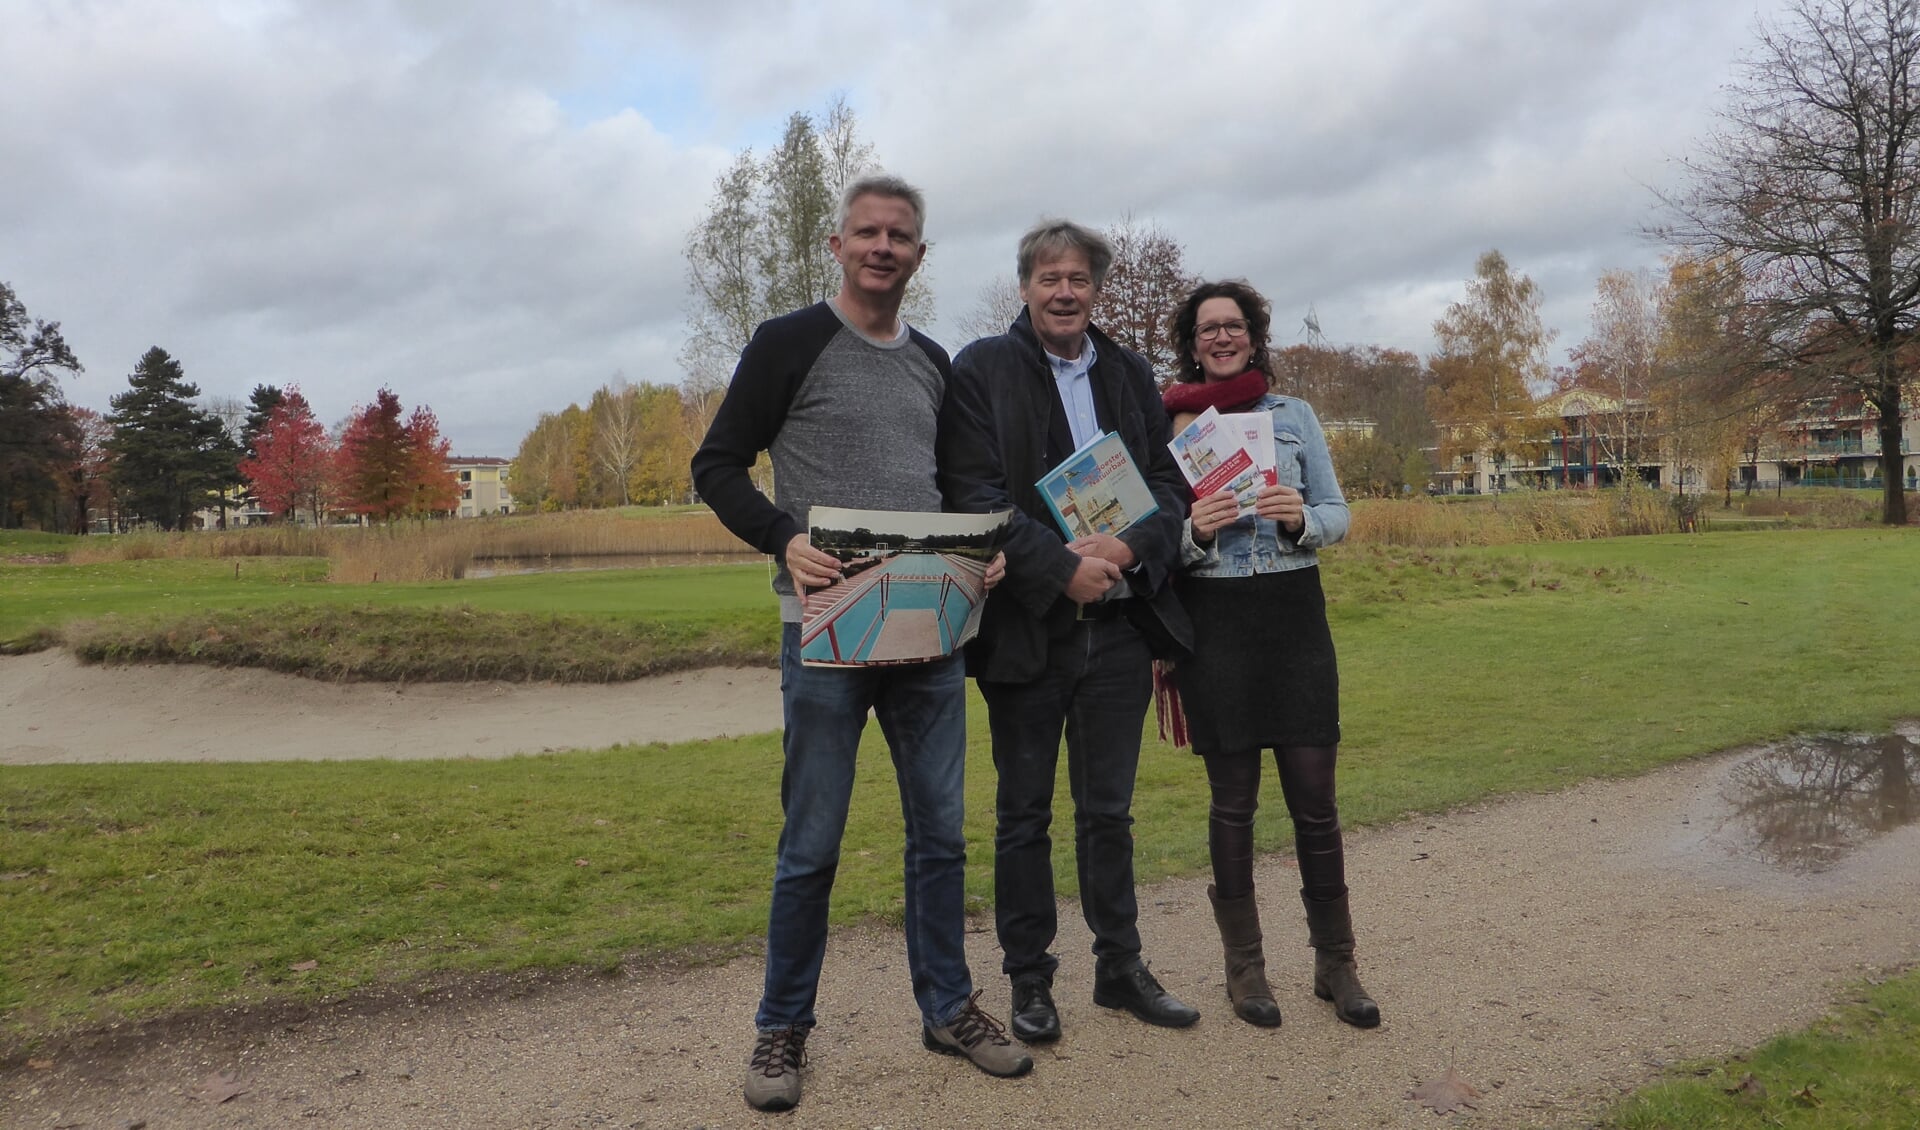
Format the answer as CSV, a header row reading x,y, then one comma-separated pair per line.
x,y
170,456
260,405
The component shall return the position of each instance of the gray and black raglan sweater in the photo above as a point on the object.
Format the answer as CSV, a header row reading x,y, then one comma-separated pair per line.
x,y
849,421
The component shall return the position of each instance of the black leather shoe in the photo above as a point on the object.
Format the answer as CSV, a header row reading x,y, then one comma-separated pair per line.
x,y
1035,1020
1135,990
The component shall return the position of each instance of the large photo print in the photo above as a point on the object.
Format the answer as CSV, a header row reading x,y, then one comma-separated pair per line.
x,y
911,588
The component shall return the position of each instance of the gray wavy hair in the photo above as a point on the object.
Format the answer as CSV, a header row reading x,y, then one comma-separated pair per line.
x,y
1049,238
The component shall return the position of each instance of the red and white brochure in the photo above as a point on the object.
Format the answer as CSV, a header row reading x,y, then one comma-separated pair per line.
x,y
1213,456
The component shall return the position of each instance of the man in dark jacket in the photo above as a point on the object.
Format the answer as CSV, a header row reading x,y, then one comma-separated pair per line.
x,y
1061,644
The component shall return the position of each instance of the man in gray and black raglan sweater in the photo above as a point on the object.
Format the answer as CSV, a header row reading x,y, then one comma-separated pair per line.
x,y
846,398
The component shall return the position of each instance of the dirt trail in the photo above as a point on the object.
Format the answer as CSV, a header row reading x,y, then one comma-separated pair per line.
x,y
1559,949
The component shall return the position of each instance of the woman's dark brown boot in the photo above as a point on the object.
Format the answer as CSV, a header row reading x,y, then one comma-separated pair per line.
x,y
1239,922
1330,928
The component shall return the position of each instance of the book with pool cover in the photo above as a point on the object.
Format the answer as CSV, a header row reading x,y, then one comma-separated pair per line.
x,y
1098,489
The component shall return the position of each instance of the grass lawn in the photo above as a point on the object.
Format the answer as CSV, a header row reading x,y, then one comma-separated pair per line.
x,y
130,890
1858,1067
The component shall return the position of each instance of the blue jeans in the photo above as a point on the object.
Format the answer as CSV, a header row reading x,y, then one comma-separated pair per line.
x,y
922,708
1096,687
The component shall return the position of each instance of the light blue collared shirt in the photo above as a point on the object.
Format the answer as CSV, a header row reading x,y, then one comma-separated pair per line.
x,y
1076,391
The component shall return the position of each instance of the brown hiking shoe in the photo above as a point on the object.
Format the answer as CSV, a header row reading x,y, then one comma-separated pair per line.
x,y
981,1039
773,1071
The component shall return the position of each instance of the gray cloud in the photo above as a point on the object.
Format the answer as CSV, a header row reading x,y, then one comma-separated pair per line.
x,y
482,205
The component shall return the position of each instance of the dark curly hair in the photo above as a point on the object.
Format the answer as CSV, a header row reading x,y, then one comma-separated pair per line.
x,y
1254,307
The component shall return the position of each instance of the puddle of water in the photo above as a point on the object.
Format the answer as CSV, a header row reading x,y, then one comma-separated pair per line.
x,y
1803,804
574,563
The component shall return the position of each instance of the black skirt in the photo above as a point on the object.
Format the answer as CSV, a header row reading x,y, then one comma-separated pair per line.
x,y
1262,672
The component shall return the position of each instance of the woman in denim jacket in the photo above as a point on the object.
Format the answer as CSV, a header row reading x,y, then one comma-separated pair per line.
x,y
1263,675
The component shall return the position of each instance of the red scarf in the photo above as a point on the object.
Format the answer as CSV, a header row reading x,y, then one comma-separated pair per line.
x,y
1229,395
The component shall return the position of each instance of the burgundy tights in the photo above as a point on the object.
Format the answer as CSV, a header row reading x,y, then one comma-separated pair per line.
x,y
1306,780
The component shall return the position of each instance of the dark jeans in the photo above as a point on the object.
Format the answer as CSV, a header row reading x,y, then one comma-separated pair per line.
x,y
1306,780
1096,686
922,711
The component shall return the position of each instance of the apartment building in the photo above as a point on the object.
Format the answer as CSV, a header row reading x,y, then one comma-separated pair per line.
x,y
1587,439
484,485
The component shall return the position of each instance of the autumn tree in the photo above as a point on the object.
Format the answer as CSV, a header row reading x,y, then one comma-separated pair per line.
x,y
631,444
436,488
1491,357
1148,279
1373,402
545,475
171,457
293,459
392,468
661,474
1810,189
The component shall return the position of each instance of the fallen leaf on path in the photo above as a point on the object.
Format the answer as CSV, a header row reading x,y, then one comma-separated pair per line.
x,y
40,1064
1446,1094
221,1086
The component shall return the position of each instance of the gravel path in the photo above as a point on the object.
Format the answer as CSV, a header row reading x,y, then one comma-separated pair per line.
x,y
1558,950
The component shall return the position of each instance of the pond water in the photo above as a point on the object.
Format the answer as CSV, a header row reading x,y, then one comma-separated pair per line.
x,y
1804,804
574,563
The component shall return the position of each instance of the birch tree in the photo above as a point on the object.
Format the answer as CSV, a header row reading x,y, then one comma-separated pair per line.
x,y
1492,356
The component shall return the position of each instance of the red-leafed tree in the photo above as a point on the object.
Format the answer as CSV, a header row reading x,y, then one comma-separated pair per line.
x,y
436,489
390,468
293,460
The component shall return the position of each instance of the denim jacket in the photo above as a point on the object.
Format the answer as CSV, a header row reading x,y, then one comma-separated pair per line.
x,y
1253,544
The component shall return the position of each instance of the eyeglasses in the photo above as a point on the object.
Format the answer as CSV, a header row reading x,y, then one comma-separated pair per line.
x,y
1214,329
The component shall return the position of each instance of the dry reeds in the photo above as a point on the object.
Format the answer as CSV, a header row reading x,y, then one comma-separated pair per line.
x,y
1510,519
436,550
253,541
446,550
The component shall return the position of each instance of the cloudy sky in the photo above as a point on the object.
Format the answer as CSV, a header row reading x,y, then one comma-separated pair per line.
x,y
481,203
